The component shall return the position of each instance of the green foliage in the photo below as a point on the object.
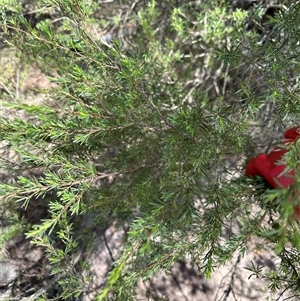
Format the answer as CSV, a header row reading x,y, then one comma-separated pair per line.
x,y
165,119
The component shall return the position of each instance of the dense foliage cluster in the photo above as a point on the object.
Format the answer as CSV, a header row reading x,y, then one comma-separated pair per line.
x,y
153,111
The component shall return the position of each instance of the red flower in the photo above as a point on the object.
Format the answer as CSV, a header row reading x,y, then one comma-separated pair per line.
x,y
268,167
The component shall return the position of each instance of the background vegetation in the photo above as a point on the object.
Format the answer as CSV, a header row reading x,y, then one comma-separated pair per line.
x,y
152,112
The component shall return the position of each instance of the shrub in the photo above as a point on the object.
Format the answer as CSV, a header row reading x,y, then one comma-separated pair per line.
x,y
167,116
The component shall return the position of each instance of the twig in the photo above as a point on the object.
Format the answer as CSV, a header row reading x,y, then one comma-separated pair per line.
x,y
55,279
229,288
107,246
40,291
5,88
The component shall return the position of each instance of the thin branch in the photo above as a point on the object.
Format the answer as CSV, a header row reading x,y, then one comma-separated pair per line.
x,y
230,285
107,246
5,88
